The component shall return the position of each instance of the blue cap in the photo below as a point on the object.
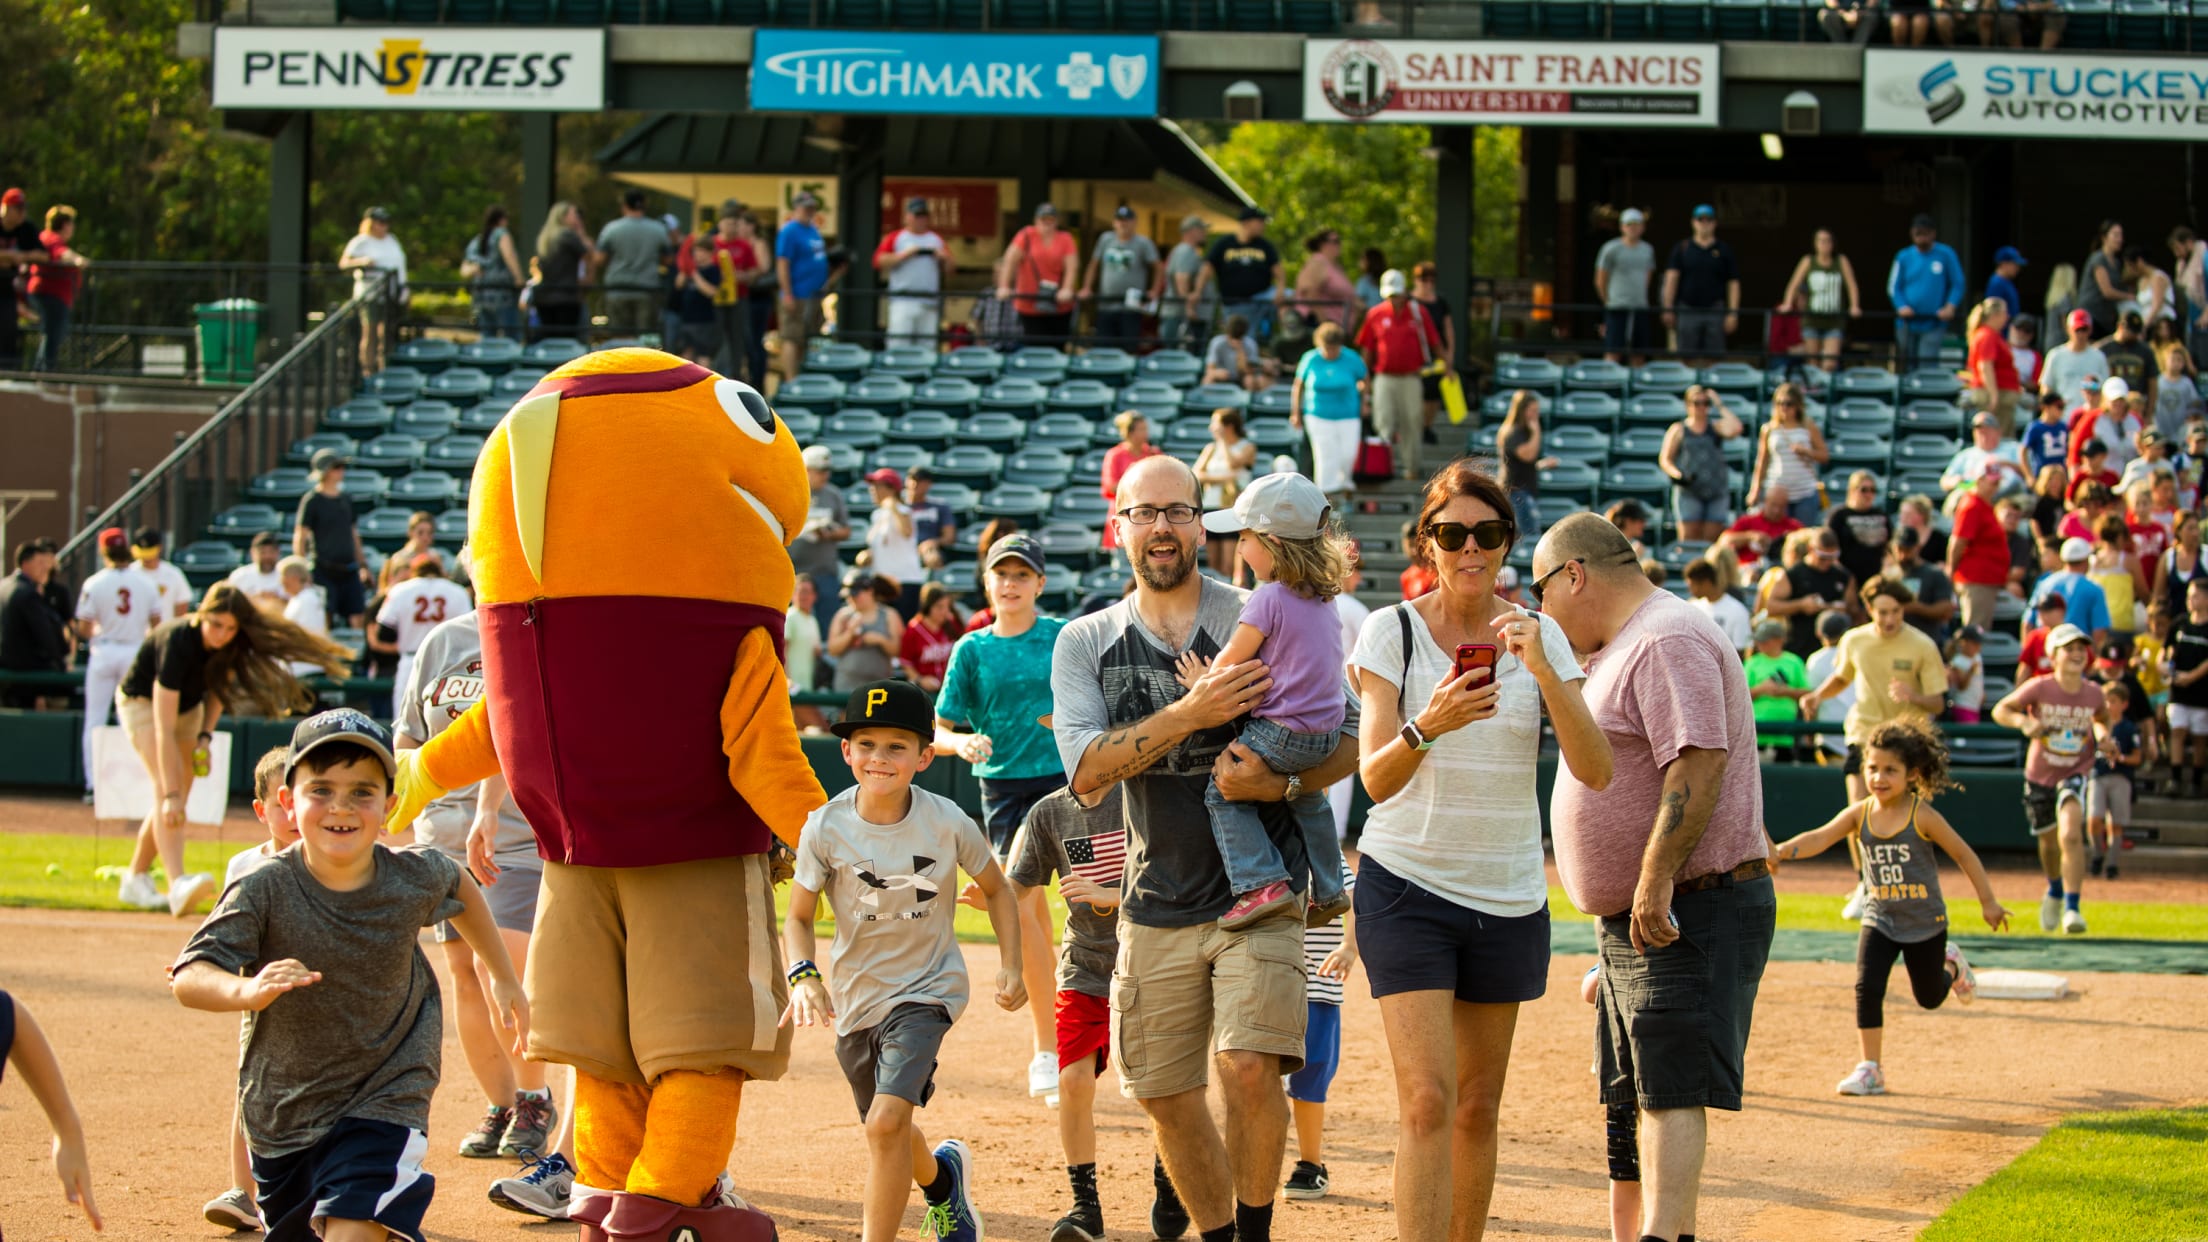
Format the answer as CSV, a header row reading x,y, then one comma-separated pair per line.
x,y
1703,211
2009,254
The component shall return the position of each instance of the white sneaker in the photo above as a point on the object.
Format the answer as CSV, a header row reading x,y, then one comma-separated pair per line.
x,y
543,1188
2050,913
1965,982
1042,1074
1852,909
137,890
1867,1079
233,1210
2073,923
186,892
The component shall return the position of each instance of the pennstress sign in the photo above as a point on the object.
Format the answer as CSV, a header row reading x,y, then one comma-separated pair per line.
x,y
2035,95
1503,83
471,68
1084,75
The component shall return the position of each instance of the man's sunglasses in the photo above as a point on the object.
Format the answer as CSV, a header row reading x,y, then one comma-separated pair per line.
x,y
1490,535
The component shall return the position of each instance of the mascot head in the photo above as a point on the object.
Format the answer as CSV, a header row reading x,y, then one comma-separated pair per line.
x,y
633,472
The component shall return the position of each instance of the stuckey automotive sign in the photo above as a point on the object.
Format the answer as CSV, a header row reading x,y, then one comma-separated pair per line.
x,y
489,69
960,75
1496,82
2035,95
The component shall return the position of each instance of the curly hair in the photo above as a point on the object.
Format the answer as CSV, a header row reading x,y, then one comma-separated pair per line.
x,y
1922,751
1313,568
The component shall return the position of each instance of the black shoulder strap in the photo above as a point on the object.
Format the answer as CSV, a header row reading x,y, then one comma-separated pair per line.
x,y
1403,683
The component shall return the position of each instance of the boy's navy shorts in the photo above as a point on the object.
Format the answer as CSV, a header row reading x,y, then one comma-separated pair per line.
x,y
360,1170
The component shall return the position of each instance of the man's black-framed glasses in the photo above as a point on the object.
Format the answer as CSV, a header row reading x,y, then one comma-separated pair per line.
x,y
1148,515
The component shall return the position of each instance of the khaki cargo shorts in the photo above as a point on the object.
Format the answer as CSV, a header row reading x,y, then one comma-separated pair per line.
x,y
1181,994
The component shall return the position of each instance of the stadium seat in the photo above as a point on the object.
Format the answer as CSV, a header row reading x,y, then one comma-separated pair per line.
x,y
385,527
861,428
1930,417
1676,556
804,425
1638,480
1204,398
1081,508
1917,482
1736,380
1930,385
1638,444
1068,543
281,487
1536,375
927,430
1151,392
391,452
393,385
463,386
956,497
974,465
1652,409
426,420
1481,442
492,355
359,416
1090,398
1271,402
1183,438
1062,431
1590,445
898,457
978,363
886,393
844,463
1573,482
515,384
1018,502
1044,366
452,527
433,490
2001,649
208,560
953,394
366,10
1088,469
303,450
1860,416
242,522
1177,367
455,453
1274,437
858,14
1924,452
551,352
1670,378
428,354
365,488
1985,752
1046,468
1866,382
1109,365
1597,375
1598,410
992,429
1017,396
840,359
819,393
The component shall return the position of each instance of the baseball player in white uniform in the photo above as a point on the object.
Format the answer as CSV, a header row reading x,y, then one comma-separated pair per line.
x,y
170,587
115,608
417,606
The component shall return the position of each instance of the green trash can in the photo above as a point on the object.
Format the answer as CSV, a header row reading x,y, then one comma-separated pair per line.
x,y
229,339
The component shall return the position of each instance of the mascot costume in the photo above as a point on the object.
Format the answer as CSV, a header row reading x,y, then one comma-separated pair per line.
x,y
629,527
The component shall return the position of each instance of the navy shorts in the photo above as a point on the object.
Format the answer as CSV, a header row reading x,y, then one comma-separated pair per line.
x,y
360,1170
1322,1053
1413,941
345,594
1005,803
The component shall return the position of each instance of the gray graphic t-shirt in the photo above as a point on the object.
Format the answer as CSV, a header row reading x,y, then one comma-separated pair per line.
x,y
1040,852
894,890
448,680
365,1040
1109,670
1123,265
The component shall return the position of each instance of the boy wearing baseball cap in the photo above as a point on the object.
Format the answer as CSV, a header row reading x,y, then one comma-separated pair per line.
x,y
2059,713
319,947
888,856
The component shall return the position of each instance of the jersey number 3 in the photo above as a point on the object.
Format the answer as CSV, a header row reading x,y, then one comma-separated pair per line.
x,y
122,602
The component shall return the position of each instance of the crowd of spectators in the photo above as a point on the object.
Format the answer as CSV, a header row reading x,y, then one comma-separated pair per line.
x,y
44,271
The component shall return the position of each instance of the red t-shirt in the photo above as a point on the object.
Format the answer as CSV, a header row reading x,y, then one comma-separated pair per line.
x,y
53,279
2081,477
1986,347
925,653
1985,557
2150,539
1117,460
1393,339
1041,260
1418,580
1774,533
735,255
2031,660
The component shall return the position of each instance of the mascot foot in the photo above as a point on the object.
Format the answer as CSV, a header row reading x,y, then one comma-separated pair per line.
x,y
617,1216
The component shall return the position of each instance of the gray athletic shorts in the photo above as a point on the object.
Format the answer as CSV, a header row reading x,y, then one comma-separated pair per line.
x,y
513,901
2109,797
895,1056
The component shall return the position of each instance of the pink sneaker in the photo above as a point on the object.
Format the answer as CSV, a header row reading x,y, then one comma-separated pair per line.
x,y
1274,899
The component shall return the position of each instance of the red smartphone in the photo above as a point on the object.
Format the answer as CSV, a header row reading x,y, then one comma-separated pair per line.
x,y
1475,655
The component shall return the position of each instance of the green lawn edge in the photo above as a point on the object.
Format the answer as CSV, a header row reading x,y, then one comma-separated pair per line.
x,y
2136,1174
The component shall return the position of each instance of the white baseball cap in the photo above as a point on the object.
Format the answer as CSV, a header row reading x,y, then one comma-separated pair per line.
x,y
2063,635
1632,215
1392,282
817,457
2075,550
1285,506
2114,387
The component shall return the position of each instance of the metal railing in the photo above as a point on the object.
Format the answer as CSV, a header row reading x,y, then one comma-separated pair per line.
x,y
139,319
210,468
1578,327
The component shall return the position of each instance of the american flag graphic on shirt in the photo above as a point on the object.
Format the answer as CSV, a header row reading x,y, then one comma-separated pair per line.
x,y
1098,859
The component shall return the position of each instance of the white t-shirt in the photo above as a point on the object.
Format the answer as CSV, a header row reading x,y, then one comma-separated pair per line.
x,y
800,648
1352,613
419,605
1479,851
120,604
384,252
916,275
896,553
1835,709
253,580
171,588
1731,616
246,862
310,611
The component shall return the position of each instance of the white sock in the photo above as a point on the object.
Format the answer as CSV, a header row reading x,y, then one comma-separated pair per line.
x,y
544,1093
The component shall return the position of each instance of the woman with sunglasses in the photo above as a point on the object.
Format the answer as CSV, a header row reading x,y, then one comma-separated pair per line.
x,y
1788,452
1452,954
1694,456
1519,440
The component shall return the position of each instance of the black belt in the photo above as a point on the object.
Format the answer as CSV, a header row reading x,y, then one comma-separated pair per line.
x,y
1753,869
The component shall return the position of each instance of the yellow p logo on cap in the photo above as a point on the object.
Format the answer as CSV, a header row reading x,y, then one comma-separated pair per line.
x,y
874,699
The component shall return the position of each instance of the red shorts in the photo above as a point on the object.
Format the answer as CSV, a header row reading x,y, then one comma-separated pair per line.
x,y
1084,1028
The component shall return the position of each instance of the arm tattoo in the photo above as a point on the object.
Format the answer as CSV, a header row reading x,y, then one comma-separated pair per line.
x,y
1147,752
1673,811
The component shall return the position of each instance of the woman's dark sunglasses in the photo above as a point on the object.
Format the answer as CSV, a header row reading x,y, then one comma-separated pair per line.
x,y
1490,535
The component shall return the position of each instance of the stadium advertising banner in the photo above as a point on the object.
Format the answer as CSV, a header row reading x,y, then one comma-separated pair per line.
x,y
868,71
2035,95
1493,82
452,68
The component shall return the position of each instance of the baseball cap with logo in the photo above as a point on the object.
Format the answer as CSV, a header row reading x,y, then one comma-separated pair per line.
x,y
1703,211
1021,548
1285,506
345,724
888,705
1123,212
2063,635
146,541
2076,551
2081,319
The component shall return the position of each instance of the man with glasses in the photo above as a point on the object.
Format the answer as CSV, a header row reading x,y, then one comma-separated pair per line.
x,y
1670,856
1818,583
1234,999
1862,527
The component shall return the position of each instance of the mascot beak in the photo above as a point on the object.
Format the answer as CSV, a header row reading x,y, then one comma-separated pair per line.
x,y
531,428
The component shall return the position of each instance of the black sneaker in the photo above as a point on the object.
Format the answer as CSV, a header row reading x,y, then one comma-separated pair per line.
x,y
2097,860
2112,871
1307,1182
1168,1219
482,1142
1085,1223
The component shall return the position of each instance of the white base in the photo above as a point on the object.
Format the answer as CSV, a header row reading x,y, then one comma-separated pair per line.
x,y
2021,985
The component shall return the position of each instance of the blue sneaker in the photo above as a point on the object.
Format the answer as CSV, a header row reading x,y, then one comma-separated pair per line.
x,y
954,1219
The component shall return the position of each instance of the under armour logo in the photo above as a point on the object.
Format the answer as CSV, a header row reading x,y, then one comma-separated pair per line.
x,y
1080,75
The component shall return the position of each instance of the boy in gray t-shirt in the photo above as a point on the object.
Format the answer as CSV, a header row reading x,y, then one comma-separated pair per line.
x,y
888,857
342,1045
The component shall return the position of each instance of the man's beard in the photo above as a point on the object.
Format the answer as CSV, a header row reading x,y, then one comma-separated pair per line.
x,y
1163,577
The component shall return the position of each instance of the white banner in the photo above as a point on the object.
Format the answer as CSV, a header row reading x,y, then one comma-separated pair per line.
x,y
2035,94
462,68
122,790
1598,85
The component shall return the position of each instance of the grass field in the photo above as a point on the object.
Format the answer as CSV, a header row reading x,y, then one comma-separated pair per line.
x,y
26,881
2096,1175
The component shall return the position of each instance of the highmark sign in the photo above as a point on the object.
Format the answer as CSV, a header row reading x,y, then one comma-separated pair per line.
x,y
2035,95
490,69
1424,81
965,75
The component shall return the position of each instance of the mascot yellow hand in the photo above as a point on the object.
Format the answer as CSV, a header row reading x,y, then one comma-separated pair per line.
x,y
460,756
411,792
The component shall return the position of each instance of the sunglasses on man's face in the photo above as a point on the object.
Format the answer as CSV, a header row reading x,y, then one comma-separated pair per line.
x,y
1490,535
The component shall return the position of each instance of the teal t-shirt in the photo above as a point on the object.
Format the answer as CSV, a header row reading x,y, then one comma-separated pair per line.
x,y
1330,388
1000,687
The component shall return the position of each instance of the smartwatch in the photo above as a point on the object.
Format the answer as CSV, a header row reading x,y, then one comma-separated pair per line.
x,y
1413,738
